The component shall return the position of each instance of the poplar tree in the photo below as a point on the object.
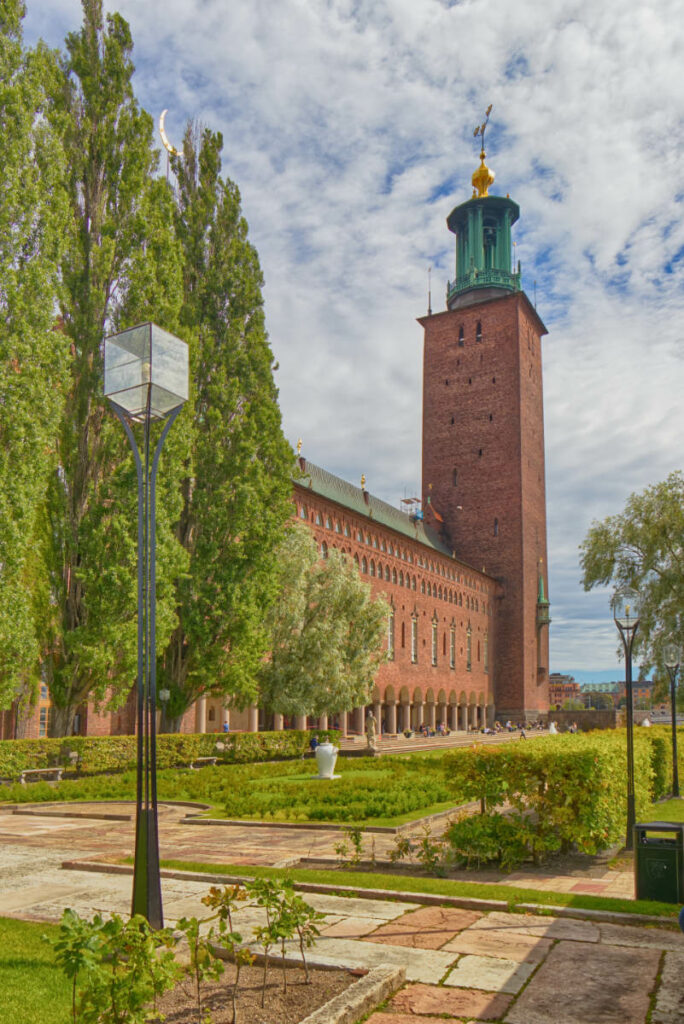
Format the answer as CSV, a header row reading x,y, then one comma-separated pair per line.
x,y
237,491
121,265
33,356
326,633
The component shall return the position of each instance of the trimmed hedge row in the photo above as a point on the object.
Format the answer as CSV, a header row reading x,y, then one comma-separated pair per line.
x,y
557,794
174,750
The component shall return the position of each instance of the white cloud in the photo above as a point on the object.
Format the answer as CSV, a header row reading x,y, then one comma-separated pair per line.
x,y
344,119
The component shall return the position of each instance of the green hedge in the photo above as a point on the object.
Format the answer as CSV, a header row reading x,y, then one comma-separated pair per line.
x,y
558,792
119,753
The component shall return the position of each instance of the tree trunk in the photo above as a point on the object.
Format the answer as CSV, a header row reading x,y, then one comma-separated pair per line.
x,y
63,720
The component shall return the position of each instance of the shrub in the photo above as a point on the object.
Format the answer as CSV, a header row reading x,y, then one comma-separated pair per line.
x,y
561,792
119,753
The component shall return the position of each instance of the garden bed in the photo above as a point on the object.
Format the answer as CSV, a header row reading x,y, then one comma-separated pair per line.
x,y
290,1007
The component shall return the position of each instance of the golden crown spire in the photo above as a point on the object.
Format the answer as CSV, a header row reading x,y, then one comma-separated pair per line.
x,y
483,177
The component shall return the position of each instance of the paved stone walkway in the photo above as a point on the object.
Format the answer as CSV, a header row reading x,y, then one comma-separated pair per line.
x,y
462,965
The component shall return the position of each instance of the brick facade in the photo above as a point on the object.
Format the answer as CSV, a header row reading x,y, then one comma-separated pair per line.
x,y
483,472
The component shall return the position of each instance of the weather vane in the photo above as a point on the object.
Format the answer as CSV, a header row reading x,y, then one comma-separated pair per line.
x,y
483,176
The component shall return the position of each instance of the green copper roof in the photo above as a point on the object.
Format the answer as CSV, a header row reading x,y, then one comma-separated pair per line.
x,y
327,485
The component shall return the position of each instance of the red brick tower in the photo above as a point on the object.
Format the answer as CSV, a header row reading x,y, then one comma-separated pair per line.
x,y
483,440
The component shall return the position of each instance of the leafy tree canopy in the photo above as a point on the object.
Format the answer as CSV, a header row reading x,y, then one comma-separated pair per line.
x,y
643,548
326,633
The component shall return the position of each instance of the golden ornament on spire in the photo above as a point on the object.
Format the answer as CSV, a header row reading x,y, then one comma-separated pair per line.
x,y
483,178
299,446
363,481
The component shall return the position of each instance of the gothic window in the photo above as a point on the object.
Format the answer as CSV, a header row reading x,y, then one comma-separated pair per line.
x,y
469,649
372,567
394,575
347,531
359,536
401,579
478,331
429,589
338,529
486,652
319,521
364,564
390,636
324,550
461,336
414,638
302,512
403,634
434,639
413,583
356,561
422,586
328,523
452,645
387,573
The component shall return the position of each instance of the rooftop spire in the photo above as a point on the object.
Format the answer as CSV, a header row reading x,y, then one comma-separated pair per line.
x,y
483,177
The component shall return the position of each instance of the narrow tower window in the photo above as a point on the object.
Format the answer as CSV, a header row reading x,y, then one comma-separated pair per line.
x,y
496,527
454,477
461,337
478,331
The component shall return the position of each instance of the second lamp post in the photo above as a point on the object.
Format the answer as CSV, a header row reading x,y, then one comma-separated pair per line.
x,y
626,610
672,659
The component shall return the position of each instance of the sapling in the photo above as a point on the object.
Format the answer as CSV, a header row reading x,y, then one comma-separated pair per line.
x,y
203,963
305,920
224,902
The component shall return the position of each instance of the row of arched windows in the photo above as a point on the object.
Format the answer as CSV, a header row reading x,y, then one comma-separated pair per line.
x,y
461,334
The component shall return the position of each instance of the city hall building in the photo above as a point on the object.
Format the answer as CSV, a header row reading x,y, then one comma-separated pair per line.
x,y
465,569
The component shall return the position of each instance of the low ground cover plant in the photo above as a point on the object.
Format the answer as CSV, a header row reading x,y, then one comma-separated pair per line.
x,y
370,789
550,796
117,969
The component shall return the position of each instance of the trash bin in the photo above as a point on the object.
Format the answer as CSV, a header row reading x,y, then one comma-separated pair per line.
x,y
659,861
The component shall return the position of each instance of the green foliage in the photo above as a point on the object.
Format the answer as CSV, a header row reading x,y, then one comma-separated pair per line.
x,y
236,491
203,963
350,848
326,632
561,794
120,259
117,968
119,753
33,356
641,548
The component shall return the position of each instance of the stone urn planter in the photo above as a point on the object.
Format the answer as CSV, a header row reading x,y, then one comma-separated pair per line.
x,y
326,756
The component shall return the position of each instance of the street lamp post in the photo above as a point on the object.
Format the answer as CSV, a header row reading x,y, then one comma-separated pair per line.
x,y
146,379
672,659
626,609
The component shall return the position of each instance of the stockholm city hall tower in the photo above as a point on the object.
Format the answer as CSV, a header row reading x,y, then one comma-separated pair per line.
x,y
483,439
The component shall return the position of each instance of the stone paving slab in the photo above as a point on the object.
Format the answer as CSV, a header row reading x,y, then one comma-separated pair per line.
x,y
349,906
469,1003
427,928
669,1007
539,925
589,983
645,938
493,974
402,1018
425,965
495,942
352,927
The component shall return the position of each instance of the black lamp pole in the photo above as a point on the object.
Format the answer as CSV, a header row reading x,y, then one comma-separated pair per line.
x,y
672,658
626,615
146,379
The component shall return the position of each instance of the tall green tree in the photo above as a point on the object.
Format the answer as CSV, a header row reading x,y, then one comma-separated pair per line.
x,y
33,356
121,265
643,548
237,489
326,633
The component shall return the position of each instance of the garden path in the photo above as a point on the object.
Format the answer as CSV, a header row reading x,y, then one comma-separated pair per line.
x,y
462,964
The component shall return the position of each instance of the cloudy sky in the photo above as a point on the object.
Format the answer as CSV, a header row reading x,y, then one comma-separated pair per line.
x,y
348,125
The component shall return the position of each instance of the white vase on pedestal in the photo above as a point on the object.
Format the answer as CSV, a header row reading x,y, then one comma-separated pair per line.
x,y
326,756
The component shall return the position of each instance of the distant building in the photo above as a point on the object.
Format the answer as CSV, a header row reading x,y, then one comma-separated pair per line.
x,y
562,688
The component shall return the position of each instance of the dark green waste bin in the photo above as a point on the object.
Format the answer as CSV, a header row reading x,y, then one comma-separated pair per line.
x,y
659,861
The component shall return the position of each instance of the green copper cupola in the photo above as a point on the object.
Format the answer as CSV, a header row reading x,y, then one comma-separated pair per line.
x,y
482,226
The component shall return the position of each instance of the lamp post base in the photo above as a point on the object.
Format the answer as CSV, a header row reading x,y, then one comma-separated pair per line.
x,y
631,822
147,897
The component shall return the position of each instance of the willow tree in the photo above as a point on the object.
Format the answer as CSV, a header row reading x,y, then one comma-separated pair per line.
x,y
120,247
237,490
326,633
33,357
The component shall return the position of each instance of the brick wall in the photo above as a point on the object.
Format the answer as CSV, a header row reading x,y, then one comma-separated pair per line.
x,y
483,471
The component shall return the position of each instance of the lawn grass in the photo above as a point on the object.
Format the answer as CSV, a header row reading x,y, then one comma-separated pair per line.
x,y
669,810
360,880
34,990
